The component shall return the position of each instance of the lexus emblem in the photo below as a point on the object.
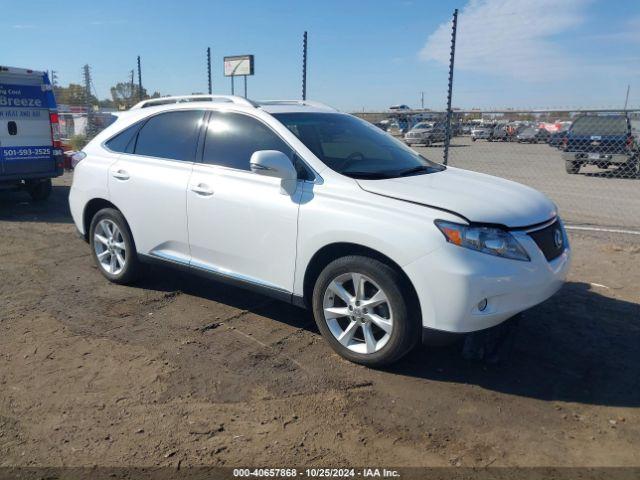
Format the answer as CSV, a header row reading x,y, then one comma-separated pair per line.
x,y
557,238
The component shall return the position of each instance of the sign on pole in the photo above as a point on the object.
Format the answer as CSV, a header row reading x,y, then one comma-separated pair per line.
x,y
239,65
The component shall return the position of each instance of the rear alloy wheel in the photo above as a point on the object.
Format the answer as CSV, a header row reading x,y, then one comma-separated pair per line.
x,y
112,246
360,307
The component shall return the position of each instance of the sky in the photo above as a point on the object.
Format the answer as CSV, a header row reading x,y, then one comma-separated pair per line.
x,y
363,55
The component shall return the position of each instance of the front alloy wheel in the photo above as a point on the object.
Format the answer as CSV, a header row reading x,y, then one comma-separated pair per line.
x,y
366,310
358,313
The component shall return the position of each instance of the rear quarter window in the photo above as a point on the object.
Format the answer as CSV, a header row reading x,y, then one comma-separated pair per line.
x,y
123,142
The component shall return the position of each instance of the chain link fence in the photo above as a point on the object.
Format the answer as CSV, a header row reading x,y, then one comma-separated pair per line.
x,y
586,161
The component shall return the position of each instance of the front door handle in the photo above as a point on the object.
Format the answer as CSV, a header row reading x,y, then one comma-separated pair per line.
x,y
202,189
121,175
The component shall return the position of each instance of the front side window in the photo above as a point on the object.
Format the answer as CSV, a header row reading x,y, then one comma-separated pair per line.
x,y
232,138
355,148
171,135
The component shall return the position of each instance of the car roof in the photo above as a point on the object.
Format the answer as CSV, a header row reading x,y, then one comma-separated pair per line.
x,y
232,102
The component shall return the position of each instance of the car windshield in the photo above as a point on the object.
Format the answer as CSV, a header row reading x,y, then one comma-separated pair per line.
x,y
593,125
355,148
422,125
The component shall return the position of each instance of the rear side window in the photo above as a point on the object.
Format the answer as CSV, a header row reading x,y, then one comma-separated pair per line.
x,y
171,135
124,141
232,138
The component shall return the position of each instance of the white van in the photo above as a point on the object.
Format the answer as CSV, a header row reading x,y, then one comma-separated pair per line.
x,y
30,152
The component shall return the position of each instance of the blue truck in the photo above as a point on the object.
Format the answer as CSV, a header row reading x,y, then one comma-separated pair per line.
x,y
30,150
603,141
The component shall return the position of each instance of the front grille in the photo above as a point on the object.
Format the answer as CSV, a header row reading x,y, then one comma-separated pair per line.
x,y
550,240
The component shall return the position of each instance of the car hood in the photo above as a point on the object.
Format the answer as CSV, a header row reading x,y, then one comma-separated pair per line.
x,y
475,196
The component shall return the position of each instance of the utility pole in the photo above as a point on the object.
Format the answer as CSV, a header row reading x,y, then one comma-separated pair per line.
x,y
422,100
209,69
447,137
130,101
626,100
139,80
304,66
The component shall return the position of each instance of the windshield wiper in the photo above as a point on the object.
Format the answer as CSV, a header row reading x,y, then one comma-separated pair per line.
x,y
371,175
412,170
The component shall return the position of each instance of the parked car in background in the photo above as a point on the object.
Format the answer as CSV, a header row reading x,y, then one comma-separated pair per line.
x,y
425,133
601,140
321,209
482,132
500,133
533,135
556,138
30,151
398,127
400,107
383,124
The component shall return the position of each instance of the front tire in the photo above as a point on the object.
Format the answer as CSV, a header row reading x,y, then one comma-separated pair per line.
x,y
112,246
365,311
571,166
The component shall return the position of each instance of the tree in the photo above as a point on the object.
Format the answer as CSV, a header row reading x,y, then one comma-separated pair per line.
x,y
127,94
74,94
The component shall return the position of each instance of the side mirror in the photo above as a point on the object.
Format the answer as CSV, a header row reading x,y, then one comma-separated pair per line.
x,y
272,163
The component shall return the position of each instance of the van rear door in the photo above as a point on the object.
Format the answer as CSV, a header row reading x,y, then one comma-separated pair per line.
x,y
26,145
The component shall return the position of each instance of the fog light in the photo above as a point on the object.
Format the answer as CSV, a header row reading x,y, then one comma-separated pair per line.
x,y
482,305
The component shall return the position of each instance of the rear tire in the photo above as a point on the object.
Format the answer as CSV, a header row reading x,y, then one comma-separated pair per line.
x,y
632,168
373,325
40,190
112,247
571,166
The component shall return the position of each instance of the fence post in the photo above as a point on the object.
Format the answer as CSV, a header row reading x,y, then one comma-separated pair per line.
x,y
304,66
209,70
140,80
447,138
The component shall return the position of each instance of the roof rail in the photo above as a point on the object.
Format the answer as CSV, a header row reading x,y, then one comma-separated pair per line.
x,y
307,103
154,102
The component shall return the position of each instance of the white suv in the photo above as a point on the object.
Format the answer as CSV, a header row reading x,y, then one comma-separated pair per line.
x,y
321,209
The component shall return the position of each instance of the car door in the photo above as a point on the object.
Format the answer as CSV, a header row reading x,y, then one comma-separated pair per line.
x,y
148,182
240,223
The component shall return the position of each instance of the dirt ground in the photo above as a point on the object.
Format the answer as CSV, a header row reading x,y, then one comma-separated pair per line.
x,y
97,374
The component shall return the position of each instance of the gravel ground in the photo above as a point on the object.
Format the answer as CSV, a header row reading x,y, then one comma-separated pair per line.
x,y
181,371
594,196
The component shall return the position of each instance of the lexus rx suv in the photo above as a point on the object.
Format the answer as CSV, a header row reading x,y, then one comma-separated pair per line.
x,y
317,208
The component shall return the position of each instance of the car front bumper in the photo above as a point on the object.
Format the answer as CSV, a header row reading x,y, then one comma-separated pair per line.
x,y
452,281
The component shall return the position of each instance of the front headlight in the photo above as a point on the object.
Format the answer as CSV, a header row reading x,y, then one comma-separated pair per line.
x,y
490,240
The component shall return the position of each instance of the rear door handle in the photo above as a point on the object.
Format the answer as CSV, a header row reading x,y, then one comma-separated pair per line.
x,y
121,175
202,189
